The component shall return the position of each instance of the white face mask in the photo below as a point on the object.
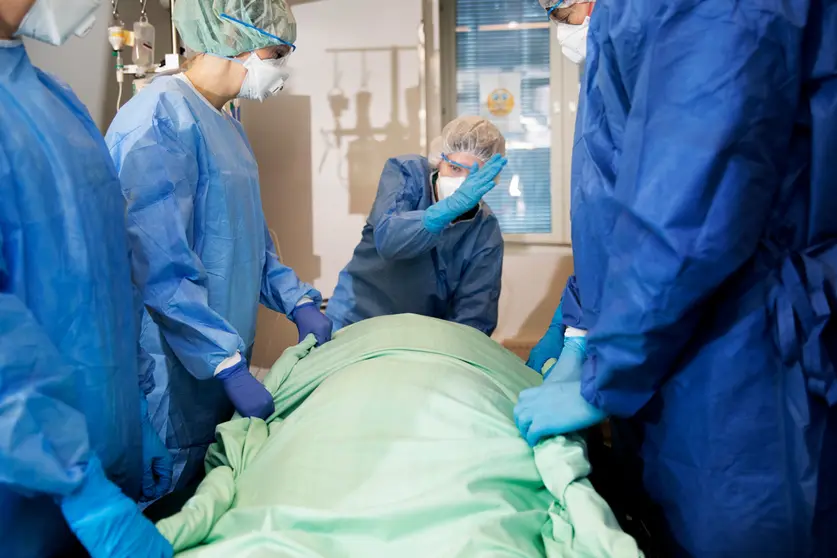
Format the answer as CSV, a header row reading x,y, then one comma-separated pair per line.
x,y
573,39
54,21
264,78
447,185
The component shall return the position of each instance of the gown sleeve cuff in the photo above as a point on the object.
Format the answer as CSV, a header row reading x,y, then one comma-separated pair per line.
x,y
303,301
228,362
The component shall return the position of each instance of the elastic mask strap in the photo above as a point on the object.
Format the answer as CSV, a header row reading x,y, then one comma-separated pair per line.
x,y
262,31
230,58
236,60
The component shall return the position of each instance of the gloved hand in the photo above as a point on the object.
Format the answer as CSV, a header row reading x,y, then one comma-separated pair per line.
x,y
308,320
108,523
550,344
156,461
248,395
557,407
478,184
570,364
554,409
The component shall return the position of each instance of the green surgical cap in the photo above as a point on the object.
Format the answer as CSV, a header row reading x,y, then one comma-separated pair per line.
x,y
203,29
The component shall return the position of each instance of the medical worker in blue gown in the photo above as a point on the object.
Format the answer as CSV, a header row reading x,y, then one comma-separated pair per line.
x,y
202,256
705,243
430,245
71,436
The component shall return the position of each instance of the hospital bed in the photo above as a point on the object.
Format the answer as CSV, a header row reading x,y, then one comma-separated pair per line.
x,y
395,439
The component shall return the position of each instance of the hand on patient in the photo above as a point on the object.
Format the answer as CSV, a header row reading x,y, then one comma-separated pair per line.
x,y
557,407
309,319
249,397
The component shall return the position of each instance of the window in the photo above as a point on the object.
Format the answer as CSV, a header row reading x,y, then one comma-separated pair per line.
x,y
508,68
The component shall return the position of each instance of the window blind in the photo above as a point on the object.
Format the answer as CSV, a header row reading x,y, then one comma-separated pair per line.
x,y
503,73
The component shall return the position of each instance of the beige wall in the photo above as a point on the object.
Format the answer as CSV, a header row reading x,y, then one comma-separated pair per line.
x,y
533,281
280,133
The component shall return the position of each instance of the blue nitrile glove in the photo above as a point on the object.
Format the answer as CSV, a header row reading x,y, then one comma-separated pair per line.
x,y
309,319
557,407
550,344
108,523
478,184
248,395
553,409
570,364
157,463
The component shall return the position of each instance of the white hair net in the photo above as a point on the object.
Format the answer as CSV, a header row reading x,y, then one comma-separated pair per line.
x,y
468,134
203,28
547,4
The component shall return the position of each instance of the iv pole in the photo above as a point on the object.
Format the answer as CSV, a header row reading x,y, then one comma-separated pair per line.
x,y
119,37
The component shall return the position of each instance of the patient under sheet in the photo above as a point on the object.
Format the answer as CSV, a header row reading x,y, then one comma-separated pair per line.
x,y
395,439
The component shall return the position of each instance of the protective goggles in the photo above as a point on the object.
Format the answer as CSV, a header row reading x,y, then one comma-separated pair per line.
x,y
262,31
552,13
446,159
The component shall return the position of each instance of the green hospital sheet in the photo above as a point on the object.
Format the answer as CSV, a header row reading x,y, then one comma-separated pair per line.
x,y
396,439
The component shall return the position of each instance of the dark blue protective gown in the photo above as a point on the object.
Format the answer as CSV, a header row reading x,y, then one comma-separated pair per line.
x,y
400,267
704,219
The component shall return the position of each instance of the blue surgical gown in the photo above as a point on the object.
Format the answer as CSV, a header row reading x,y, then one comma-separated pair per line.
x,y
401,267
704,227
68,372
201,254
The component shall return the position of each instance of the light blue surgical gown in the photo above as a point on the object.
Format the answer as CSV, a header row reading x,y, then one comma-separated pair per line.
x,y
201,254
401,267
68,372
704,226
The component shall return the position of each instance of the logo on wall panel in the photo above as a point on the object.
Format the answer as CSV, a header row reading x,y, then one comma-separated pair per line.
x,y
500,102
